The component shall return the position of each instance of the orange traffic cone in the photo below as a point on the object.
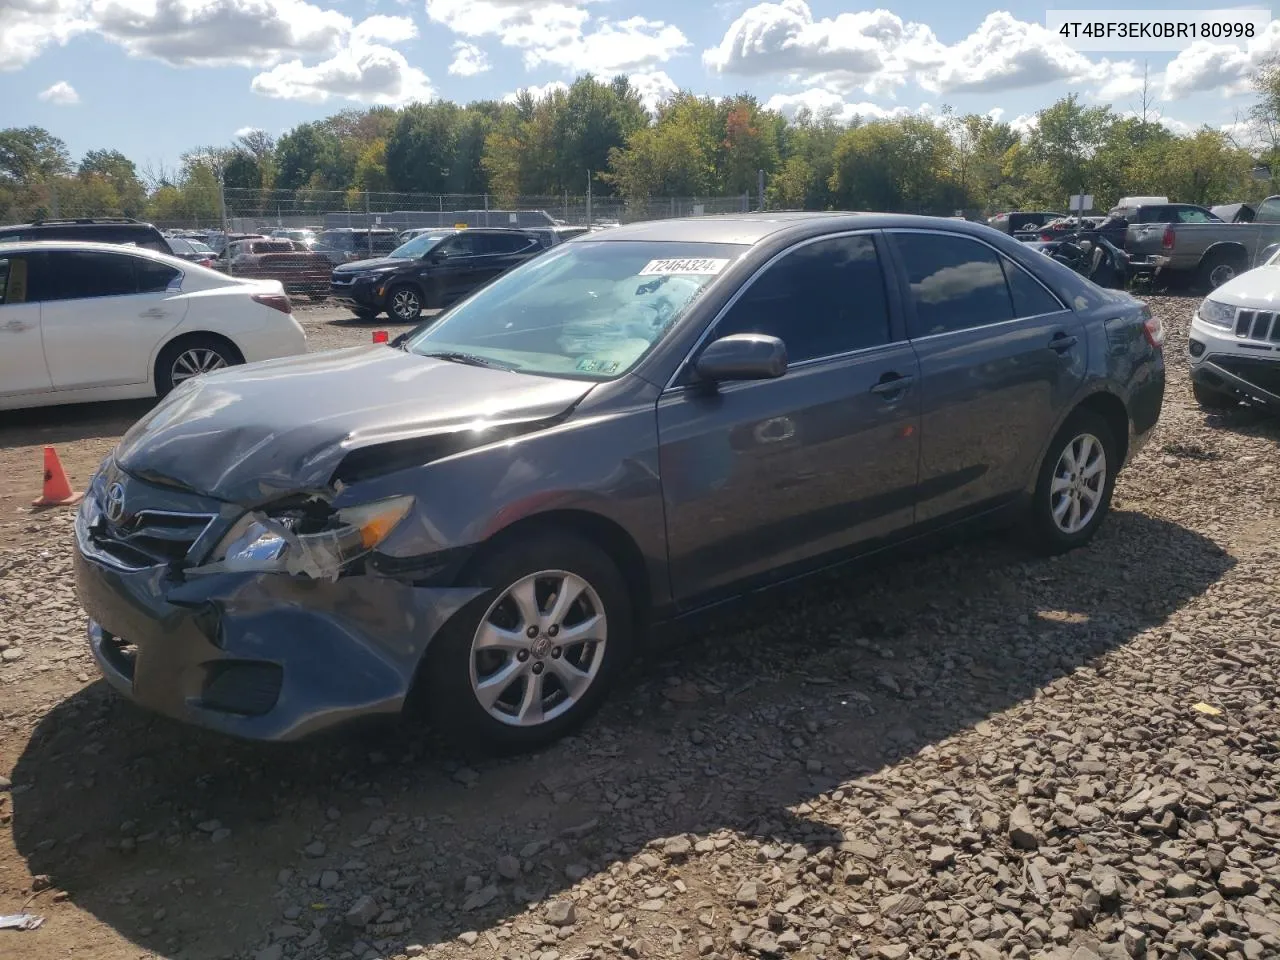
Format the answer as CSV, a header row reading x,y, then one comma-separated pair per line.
x,y
57,490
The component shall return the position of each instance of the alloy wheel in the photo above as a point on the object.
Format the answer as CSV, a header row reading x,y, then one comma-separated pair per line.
x,y
538,648
193,362
1079,481
406,305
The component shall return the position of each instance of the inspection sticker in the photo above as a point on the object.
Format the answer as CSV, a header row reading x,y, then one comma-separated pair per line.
x,y
685,266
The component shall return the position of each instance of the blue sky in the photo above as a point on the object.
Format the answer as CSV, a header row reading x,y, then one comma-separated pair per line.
x,y
155,77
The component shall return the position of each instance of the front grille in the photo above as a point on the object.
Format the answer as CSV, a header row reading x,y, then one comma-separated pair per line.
x,y
150,537
1261,326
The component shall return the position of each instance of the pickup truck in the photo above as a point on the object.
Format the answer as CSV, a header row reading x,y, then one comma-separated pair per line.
x,y
1210,253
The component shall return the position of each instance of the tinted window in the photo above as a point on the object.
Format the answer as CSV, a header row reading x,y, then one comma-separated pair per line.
x,y
155,277
823,299
77,275
1268,210
384,242
1030,299
956,283
508,243
178,245
460,245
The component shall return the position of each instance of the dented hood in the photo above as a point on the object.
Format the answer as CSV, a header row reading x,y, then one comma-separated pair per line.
x,y
251,434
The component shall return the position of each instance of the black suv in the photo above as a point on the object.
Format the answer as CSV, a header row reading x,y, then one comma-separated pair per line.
x,y
430,270
95,229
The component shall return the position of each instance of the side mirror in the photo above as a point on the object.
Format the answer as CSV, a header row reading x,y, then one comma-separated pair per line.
x,y
743,356
399,340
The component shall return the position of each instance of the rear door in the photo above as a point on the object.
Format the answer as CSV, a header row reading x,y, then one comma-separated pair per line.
x,y
103,315
22,364
1000,357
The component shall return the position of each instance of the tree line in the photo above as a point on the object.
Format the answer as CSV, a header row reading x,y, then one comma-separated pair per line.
x,y
601,133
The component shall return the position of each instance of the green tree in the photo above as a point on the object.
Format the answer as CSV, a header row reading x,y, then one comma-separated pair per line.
x,y
1065,142
120,174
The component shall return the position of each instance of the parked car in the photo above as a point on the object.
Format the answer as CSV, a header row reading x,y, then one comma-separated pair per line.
x,y
1234,342
302,271
346,244
193,250
93,321
1134,216
121,230
306,238
1021,221
431,270
490,516
1209,253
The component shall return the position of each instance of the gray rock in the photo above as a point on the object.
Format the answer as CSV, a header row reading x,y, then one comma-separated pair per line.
x,y
508,868
748,895
481,898
469,937
1180,885
362,912
1022,830
677,848
329,879
901,905
315,849
942,857
1233,883
273,952
562,913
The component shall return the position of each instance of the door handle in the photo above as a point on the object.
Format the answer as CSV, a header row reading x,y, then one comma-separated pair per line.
x,y
16,326
155,313
1062,342
891,384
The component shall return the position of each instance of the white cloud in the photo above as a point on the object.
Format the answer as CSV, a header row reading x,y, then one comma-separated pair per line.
x,y
538,92
563,33
1123,79
653,88
1024,123
61,93
1219,67
1005,53
468,60
247,131
27,27
822,102
364,74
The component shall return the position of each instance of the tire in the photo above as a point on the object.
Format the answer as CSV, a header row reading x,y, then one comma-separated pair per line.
x,y
365,315
1052,531
454,672
1220,268
404,303
179,358
1211,399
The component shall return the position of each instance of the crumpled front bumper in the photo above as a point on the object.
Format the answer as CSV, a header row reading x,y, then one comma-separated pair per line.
x,y
1219,362
259,656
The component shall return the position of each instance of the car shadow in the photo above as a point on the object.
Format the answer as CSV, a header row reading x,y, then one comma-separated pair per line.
x,y
66,423
198,846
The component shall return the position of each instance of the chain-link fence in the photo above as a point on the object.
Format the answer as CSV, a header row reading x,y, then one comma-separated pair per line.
x,y
239,210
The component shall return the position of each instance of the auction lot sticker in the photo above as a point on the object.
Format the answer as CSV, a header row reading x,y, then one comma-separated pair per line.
x,y
684,267
1127,31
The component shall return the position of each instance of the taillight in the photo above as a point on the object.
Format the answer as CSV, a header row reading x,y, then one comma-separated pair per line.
x,y
1166,242
206,262
1046,237
1152,328
276,301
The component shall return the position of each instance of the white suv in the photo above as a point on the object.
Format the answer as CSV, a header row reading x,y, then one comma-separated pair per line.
x,y
1234,344
95,321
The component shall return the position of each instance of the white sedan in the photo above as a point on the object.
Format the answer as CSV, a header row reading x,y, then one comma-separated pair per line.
x,y
85,322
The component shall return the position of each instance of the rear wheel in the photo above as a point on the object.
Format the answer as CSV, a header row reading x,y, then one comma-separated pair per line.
x,y
1073,491
535,655
1220,268
190,357
1211,399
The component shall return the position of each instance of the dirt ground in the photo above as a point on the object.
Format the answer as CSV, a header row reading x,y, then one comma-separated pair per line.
x,y
972,753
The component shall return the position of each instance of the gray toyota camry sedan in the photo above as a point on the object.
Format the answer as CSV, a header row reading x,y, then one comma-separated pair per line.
x,y
490,515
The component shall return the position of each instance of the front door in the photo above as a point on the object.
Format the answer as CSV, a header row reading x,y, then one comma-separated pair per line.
x,y
1000,357
764,478
103,315
22,366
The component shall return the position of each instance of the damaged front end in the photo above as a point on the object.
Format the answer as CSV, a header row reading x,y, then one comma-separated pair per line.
x,y
267,624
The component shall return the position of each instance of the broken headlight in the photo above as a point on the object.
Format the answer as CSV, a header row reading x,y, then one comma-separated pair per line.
x,y
293,542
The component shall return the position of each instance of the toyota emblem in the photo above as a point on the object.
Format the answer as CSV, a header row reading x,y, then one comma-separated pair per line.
x,y
114,507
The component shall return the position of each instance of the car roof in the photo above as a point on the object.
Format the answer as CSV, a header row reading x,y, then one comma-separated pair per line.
x,y
86,245
750,228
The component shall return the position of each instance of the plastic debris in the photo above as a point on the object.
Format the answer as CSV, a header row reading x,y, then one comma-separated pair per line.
x,y
1206,709
20,921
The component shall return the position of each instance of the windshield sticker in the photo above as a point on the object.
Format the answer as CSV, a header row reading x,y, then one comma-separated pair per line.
x,y
687,266
591,365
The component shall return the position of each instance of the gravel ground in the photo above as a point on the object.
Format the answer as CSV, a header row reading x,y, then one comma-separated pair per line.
x,y
966,754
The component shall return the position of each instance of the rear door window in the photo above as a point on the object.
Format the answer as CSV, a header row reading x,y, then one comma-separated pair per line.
x,y
955,282
13,279
155,277
83,275
1030,298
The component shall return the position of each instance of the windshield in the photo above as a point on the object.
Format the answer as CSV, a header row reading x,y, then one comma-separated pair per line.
x,y
415,247
586,310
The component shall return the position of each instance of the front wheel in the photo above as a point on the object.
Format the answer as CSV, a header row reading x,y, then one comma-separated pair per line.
x,y
535,656
404,303
1073,491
